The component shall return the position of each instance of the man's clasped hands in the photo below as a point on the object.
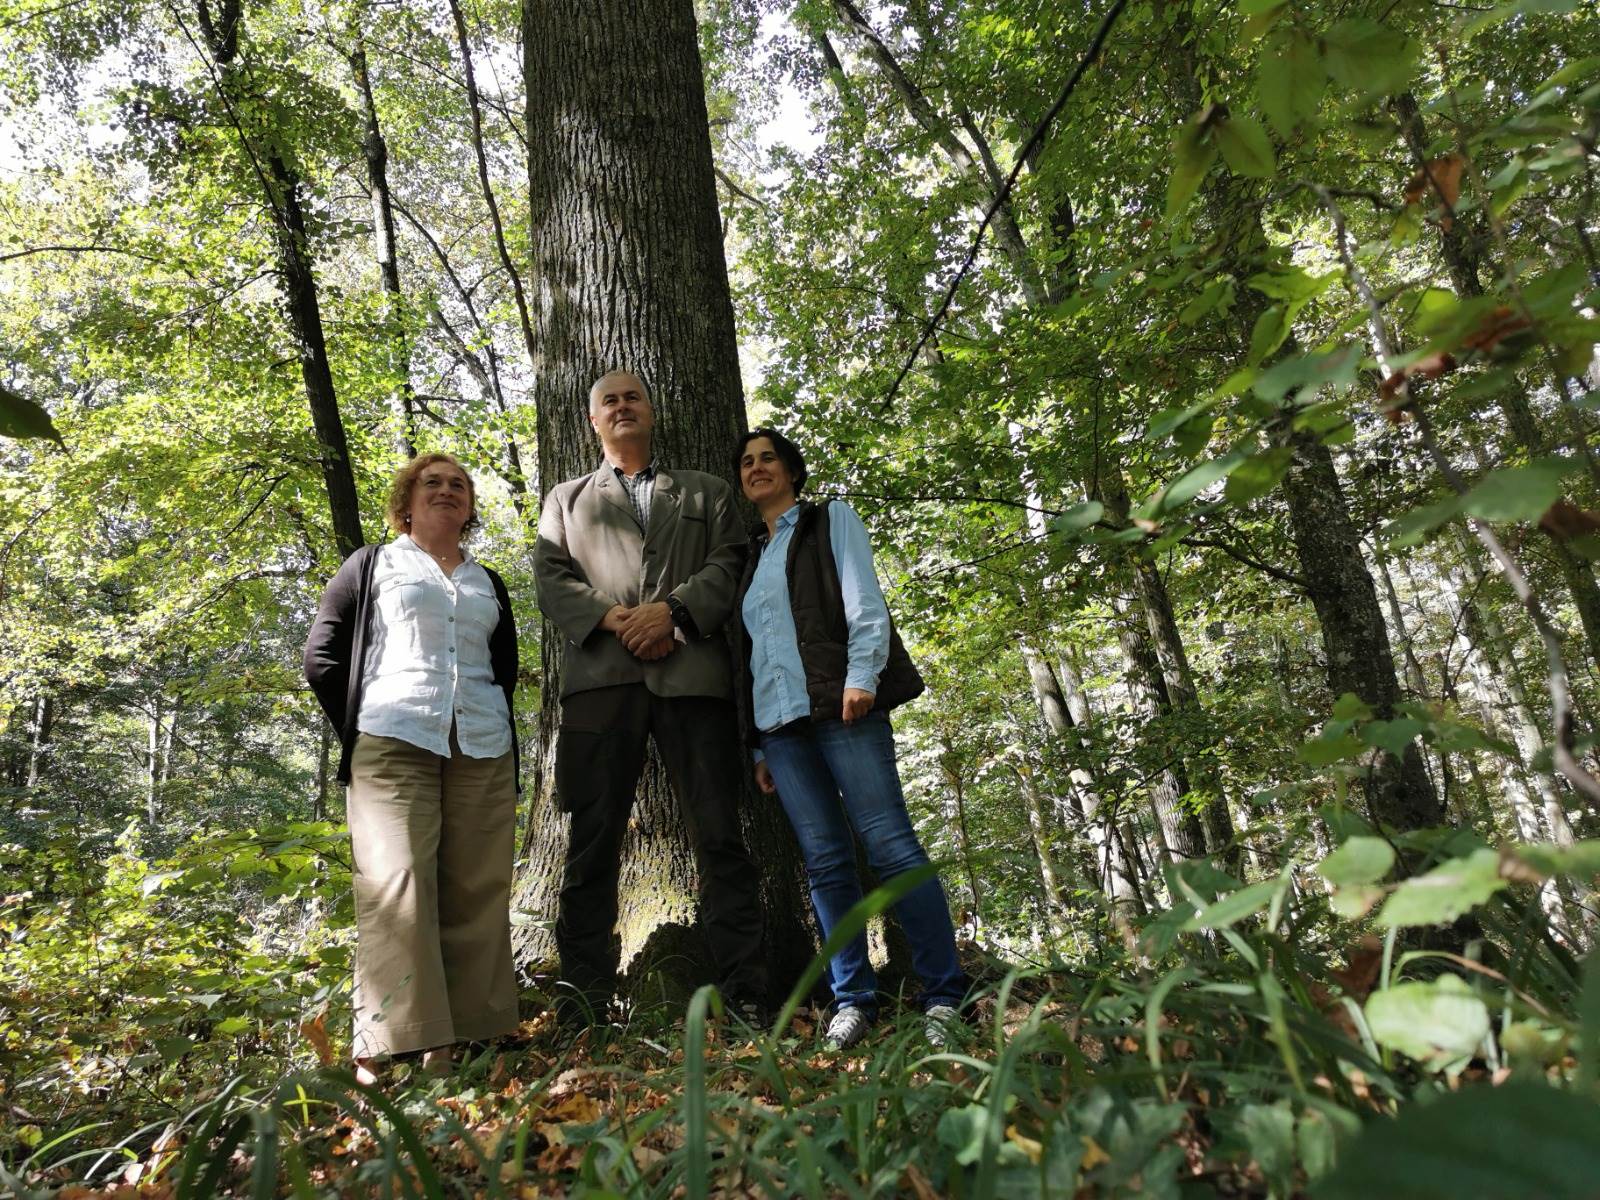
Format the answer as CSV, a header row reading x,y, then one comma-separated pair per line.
x,y
646,630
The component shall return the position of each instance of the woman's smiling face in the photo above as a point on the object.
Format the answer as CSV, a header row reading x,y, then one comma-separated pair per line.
x,y
763,474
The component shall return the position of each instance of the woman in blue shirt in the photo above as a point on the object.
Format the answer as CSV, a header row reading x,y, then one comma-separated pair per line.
x,y
822,666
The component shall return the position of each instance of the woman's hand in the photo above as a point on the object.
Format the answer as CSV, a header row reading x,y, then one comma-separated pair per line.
x,y
857,704
764,779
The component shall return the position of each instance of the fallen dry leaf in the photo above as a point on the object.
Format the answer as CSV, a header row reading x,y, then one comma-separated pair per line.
x,y
1564,520
315,1031
1444,174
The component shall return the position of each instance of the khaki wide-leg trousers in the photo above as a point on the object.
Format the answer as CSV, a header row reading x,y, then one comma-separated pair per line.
x,y
431,840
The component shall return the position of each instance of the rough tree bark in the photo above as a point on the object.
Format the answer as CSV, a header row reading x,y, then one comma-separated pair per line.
x,y
630,273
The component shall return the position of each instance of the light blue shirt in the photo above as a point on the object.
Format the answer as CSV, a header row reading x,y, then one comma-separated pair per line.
x,y
778,675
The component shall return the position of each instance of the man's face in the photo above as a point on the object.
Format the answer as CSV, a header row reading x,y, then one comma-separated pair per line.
x,y
620,410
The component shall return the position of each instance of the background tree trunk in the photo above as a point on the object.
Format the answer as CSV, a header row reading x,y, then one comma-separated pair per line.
x,y
630,274
280,191
376,151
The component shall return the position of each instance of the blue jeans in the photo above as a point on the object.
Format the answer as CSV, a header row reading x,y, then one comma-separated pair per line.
x,y
833,777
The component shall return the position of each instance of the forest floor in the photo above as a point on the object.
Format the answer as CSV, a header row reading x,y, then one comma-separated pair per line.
x,y
635,1110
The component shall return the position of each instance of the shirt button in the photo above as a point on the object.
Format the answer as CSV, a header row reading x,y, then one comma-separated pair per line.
x,y
452,620
452,649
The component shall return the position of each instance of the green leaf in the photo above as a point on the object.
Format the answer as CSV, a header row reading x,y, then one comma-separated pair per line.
x,y
21,418
1323,751
1195,480
1170,420
1236,906
232,1026
1245,148
1267,1130
1193,152
1335,368
1368,58
1579,860
1393,736
1289,81
1360,860
1444,893
1078,517
1416,525
1517,493
1439,1021
1351,707
963,1130
1258,474
1512,1142
1506,11
1292,284
1271,330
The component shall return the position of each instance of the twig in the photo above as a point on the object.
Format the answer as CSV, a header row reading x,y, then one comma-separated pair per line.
x,y
1004,194
1238,555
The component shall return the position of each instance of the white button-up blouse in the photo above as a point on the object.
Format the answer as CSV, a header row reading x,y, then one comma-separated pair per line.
x,y
427,662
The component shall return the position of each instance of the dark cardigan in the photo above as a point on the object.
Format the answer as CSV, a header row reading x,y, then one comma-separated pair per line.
x,y
821,628
336,651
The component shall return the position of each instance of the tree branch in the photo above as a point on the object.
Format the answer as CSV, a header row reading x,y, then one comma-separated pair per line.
x,y
1089,55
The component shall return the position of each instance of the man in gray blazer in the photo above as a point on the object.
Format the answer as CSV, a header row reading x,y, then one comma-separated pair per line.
x,y
638,568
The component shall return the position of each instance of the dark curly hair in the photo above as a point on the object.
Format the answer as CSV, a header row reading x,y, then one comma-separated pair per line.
x,y
788,454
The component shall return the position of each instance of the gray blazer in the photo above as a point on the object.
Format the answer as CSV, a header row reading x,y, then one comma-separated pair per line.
x,y
592,554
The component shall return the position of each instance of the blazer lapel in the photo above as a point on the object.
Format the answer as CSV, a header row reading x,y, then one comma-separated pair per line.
x,y
610,489
663,508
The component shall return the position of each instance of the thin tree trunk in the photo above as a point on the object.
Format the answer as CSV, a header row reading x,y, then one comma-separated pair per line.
x,y
43,724
376,151
958,792
1180,834
1039,827
280,188
319,805
1326,542
628,241
1167,641
525,321
152,764
1460,242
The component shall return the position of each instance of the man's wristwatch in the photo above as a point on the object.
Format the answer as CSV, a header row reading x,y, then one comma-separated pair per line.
x,y
681,617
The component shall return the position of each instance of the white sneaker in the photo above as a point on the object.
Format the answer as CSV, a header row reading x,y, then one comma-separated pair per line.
x,y
940,1022
849,1026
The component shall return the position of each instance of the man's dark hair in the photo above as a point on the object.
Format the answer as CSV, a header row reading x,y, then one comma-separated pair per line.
x,y
788,454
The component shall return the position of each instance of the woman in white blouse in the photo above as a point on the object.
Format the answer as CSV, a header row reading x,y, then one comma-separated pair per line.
x,y
413,656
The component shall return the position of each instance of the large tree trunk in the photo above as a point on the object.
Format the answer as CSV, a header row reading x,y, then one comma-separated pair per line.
x,y
1354,635
630,273
280,187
